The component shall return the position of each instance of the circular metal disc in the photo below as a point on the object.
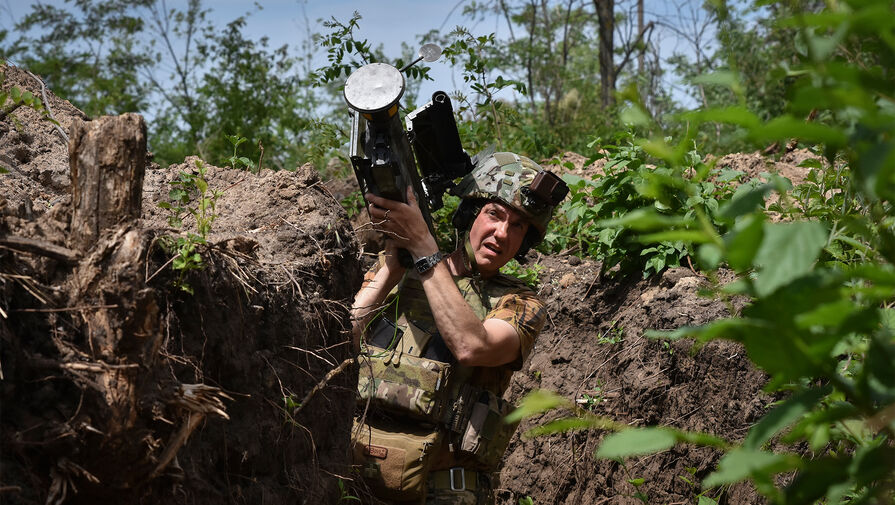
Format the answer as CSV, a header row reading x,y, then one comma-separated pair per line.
x,y
374,87
430,52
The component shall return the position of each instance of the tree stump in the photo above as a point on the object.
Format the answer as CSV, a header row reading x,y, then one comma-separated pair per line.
x,y
107,157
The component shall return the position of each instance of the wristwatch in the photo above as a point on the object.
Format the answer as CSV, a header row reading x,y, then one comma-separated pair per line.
x,y
427,263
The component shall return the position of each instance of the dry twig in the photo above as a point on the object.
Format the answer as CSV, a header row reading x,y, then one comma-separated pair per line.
x,y
43,93
322,384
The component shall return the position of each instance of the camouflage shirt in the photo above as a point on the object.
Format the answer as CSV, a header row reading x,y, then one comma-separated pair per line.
x,y
500,297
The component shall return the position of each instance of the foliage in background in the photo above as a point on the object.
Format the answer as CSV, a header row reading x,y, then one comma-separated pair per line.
x,y
87,53
821,321
533,89
602,215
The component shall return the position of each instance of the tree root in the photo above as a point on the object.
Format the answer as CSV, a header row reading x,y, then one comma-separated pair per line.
x,y
322,384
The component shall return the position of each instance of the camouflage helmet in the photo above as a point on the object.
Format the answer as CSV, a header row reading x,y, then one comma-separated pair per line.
x,y
509,178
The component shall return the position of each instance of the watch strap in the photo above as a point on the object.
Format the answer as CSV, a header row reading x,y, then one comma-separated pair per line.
x,y
426,263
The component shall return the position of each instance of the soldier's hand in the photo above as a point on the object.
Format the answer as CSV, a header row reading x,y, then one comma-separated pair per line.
x,y
403,223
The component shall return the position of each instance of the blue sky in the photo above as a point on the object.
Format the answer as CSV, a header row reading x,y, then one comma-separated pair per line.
x,y
385,22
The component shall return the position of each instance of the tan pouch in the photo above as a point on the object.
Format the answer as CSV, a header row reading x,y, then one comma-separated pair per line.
x,y
395,462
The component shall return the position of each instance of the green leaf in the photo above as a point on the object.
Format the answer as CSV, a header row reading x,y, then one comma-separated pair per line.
x,y
536,402
732,115
567,424
722,78
812,481
828,314
705,500
787,252
645,219
786,127
710,255
743,242
689,236
741,464
176,195
634,115
636,441
782,416
745,201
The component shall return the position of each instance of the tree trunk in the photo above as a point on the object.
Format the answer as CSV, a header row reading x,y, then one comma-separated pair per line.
x,y
606,17
640,27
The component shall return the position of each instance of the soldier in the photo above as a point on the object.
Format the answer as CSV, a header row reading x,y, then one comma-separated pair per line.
x,y
443,338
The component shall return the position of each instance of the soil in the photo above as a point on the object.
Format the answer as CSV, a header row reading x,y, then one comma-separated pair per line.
x,y
119,388
267,322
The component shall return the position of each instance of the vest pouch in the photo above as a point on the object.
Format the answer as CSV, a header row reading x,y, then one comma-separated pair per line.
x,y
483,432
404,385
394,461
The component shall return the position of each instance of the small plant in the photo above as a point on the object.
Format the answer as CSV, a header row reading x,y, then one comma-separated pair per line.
x,y
15,98
667,346
344,494
528,500
527,274
636,482
353,204
189,195
590,401
237,161
693,482
613,335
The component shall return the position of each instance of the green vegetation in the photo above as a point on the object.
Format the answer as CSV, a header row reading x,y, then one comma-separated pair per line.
x,y
819,272
613,335
14,98
189,195
602,216
822,281
529,274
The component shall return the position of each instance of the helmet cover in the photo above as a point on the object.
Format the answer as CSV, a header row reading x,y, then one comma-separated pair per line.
x,y
507,177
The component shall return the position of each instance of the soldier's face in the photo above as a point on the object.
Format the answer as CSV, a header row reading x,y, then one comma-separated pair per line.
x,y
496,235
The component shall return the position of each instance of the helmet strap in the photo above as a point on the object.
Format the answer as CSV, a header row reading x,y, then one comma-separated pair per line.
x,y
469,256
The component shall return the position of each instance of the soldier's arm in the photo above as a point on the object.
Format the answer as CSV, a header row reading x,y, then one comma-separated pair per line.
x,y
493,342
372,294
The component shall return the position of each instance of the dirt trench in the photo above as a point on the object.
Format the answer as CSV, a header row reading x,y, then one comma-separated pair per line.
x,y
594,352
118,387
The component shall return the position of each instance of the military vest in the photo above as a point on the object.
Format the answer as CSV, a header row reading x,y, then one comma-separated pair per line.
x,y
411,374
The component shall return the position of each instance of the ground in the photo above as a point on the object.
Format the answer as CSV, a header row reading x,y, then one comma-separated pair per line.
x,y
267,322
119,387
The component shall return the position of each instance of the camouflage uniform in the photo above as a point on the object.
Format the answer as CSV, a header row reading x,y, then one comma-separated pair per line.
x,y
501,297
520,183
